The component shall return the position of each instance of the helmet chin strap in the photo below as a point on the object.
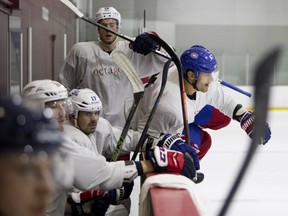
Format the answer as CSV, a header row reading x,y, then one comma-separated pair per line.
x,y
193,84
107,47
74,119
76,125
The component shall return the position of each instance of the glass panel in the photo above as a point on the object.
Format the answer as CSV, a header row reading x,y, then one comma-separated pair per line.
x,y
15,54
281,77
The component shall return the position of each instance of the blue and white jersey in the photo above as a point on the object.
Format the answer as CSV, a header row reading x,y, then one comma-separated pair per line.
x,y
168,117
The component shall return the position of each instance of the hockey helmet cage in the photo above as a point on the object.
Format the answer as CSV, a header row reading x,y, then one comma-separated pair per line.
x,y
85,100
108,12
45,91
198,59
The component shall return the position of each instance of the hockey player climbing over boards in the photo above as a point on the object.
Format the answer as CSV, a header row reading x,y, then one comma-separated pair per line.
x,y
208,105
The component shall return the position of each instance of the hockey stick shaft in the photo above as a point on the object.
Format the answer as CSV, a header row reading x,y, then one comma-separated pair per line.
x,y
183,97
81,16
125,65
262,82
145,130
175,59
235,88
119,145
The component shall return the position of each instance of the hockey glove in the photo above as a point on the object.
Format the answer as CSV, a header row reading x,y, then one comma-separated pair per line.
x,y
176,143
164,160
77,199
143,44
86,196
247,124
116,195
193,145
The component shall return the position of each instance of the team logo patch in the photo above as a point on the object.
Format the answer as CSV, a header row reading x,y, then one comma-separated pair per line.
x,y
75,92
194,55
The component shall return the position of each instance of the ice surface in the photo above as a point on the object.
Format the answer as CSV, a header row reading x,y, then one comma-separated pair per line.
x,y
264,189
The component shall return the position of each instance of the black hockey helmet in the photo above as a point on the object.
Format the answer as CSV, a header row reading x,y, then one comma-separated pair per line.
x,y
26,130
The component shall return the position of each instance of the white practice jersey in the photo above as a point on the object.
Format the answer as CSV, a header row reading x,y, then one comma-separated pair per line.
x,y
91,172
103,141
105,138
88,66
168,117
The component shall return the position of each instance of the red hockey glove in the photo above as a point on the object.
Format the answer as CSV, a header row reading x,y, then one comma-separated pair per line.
x,y
86,196
171,161
76,199
247,124
176,143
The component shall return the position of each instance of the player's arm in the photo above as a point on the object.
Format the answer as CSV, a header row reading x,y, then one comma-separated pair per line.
x,y
73,68
94,172
236,111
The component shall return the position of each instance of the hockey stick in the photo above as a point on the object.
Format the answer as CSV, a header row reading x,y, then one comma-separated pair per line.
x,y
145,130
262,82
138,90
176,60
222,82
81,16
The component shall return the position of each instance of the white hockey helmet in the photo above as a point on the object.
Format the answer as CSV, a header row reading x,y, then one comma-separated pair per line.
x,y
44,91
106,13
85,100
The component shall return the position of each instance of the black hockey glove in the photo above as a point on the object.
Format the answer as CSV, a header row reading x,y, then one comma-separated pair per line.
x,y
116,195
143,43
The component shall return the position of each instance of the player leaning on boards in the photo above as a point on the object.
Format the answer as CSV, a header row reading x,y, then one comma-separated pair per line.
x,y
202,89
91,170
90,65
95,133
29,145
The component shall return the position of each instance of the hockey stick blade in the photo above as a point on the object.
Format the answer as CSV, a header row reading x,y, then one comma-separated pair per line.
x,y
81,16
126,66
262,83
138,90
73,8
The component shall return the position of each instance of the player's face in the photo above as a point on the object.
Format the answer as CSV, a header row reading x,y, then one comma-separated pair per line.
x,y
26,184
87,121
105,36
204,81
58,109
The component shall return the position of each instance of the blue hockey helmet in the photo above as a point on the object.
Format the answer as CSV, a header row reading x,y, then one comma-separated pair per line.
x,y
198,59
25,130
